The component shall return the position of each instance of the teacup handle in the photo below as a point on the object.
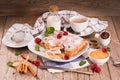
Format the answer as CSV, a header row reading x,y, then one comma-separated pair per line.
x,y
65,28
97,35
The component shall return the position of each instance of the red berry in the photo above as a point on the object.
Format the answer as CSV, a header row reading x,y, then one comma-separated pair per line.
x,y
37,62
94,66
104,49
66,57
59,35
37,40
97,69
65,33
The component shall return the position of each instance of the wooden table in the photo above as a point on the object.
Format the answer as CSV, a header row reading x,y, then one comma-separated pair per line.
x,y
109,72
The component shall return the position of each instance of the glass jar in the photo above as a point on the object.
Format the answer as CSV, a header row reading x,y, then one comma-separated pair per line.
x,y
54,20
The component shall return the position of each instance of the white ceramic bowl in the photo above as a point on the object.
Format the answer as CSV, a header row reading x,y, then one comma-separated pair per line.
x,y
77,24
98,61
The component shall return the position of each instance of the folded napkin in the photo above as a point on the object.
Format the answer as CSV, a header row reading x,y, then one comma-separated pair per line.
x,y
70,65
97,25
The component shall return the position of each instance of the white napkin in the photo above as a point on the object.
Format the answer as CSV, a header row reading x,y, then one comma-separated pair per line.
x,y
97,24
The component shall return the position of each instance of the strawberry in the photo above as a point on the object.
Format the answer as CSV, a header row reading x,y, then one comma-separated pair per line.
x,y
104,49
65,33
37,40
59,35
66,57
36,62
97,69
94,66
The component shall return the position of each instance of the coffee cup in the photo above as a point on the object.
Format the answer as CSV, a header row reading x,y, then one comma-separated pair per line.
x,y
78,23
104,37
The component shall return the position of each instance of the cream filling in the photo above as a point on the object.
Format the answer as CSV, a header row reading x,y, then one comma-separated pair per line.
x,y
53,51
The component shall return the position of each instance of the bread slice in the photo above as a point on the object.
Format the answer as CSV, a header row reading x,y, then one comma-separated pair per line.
x,y
77,49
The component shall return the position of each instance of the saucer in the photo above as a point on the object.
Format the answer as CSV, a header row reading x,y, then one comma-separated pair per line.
x,y
88,31
7,39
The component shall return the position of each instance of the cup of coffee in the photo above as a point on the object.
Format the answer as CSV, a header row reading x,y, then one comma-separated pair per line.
x,y
78,23
104,38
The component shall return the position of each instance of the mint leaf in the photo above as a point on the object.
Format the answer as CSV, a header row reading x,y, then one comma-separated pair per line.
x,y
18,53
108,49
94,41
37,48
82,63
10,64
46,34
49,30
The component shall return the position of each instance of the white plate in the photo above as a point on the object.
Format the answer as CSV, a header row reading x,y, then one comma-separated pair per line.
x,y
31,47
10,43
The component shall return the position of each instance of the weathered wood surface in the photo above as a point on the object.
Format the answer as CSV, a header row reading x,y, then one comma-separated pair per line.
x,y
36,7
109,72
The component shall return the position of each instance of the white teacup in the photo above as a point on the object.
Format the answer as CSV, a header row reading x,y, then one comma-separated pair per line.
x,y
78,23
18,36
103,41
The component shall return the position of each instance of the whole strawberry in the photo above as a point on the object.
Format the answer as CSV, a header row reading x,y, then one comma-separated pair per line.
x,y
59,35
65,33
66,57
37,40
94,66
104,49
36,62
97,69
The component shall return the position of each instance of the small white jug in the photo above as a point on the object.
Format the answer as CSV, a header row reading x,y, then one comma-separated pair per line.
x,y
103,41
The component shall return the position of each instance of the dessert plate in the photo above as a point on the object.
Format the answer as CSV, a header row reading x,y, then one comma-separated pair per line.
x,y
7,39
31,47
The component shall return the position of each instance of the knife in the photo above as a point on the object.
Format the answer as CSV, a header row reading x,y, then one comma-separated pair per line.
x,y
54,67
66,69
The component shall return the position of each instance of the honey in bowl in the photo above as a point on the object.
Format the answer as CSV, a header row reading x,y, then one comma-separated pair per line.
x,y
99,54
